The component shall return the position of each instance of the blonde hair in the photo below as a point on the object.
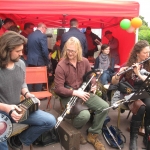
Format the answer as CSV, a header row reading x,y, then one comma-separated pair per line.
x,y
76,42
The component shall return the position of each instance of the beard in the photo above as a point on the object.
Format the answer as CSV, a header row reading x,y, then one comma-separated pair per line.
x,y
15,60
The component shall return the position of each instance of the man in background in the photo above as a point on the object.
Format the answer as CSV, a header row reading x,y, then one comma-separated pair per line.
x,y
37,50
7,24
74,32
28,29
93,40
114,46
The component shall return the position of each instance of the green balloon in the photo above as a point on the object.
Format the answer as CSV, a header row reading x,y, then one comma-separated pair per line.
x,y
125,24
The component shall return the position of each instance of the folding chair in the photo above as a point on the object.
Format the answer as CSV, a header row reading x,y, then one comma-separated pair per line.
x,y
122,106
141,129
36,75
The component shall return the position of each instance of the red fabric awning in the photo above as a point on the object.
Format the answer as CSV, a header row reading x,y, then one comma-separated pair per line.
x,y
104,14
57,13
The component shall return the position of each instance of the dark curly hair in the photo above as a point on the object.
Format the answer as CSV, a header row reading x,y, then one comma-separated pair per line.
x,y
138,47
9,41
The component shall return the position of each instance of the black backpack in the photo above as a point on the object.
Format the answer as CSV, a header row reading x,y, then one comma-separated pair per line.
x,y
47,138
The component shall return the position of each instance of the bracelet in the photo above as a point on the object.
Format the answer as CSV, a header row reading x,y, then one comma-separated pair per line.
x,y
25,94
11,112
116,78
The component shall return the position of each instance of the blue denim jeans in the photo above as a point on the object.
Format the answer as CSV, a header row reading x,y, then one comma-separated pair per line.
x,y
105,77
39,121
3,145
34,87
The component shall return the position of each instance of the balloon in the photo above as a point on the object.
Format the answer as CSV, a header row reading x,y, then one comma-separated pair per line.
x,y
125,24
136,22
131,29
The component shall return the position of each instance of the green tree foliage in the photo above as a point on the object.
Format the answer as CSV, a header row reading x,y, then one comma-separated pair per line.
x,y
144,31
143,21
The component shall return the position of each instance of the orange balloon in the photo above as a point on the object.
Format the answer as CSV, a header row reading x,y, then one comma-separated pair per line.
x,y
136,22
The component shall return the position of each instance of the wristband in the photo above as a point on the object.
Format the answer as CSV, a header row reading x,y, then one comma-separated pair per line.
x,y
11,112
25,94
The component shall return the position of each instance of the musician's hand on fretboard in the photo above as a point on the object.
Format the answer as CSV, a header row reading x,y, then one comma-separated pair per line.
x,y
81,94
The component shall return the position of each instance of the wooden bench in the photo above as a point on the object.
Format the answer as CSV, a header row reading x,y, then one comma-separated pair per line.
x,y
18,128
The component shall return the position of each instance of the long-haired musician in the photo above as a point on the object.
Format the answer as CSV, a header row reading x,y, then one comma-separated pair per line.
x,y
140,52
69,73
12,84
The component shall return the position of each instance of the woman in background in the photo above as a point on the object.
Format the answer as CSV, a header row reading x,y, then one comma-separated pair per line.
x,y
55,57
14,28
105,62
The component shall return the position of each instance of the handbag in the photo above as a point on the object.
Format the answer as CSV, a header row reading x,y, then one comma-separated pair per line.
x,y
79,106
135,105
125,88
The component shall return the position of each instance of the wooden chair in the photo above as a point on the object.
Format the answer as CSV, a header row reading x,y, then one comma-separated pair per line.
x,y
141,129
122,106
36,75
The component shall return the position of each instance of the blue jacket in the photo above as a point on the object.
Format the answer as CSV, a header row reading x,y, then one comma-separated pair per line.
x,y
110,69
37,49
73,31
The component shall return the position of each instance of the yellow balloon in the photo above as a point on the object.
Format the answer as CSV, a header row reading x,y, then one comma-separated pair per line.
x,y
136,22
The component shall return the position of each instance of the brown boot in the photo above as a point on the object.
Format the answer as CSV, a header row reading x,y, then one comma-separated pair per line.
x,y
93,139
82,140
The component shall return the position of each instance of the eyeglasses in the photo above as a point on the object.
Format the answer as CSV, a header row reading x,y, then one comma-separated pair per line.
x,y
71,51
31,28
45,27
106,49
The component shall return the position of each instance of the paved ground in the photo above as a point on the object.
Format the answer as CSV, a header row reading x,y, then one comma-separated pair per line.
x,y
124,123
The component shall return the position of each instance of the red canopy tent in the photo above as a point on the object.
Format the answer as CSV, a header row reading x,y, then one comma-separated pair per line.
x,y
104,14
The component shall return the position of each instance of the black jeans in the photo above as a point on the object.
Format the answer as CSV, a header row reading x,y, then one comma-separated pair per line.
x,y
142,110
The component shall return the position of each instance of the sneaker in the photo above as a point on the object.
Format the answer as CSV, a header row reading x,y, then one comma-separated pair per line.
x,y
14,143
93,139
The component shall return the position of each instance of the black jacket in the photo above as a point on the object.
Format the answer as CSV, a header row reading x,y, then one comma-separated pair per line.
x,y
74,32
94,37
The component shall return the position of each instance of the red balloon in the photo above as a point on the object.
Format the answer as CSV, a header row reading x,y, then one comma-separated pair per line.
x,y
130,30
136,22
